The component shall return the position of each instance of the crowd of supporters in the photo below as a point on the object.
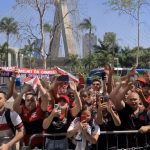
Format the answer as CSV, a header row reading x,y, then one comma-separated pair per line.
x,y
60,105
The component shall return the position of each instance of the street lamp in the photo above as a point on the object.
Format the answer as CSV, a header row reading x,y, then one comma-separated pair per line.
x,y
117,64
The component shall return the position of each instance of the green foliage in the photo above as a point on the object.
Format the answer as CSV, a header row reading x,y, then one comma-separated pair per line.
x,y
86,24
9,26
128,5
48,28
3,52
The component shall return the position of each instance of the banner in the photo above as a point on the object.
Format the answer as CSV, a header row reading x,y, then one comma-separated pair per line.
x,y
26,72
32,73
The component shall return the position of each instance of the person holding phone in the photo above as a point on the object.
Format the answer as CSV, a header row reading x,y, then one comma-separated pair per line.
x,y
57,121
108,119
83,129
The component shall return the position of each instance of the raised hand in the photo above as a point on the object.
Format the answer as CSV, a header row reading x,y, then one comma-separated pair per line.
x,y
56,112
144,129
4,147
73,85
26,88
102,106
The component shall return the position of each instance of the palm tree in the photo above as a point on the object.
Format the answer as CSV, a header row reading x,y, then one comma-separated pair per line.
x,y
87,25
3,49
74,63
105,54
27,51
9,26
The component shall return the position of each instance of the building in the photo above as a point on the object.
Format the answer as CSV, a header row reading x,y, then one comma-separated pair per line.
x,y
14,57
87,43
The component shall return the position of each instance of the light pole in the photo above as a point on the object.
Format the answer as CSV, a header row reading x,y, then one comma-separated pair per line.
x,y
138,31
117,64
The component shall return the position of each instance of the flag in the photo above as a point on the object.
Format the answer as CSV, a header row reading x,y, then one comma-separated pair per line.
x,y
32,81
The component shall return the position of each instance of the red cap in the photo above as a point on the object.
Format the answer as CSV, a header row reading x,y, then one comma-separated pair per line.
x,y
65,97
142,80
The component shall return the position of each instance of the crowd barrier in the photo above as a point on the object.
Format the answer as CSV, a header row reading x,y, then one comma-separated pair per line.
x,y
126,140
117,135
131,140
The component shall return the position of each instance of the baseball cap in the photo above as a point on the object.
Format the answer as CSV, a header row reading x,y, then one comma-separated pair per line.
x,y
64,97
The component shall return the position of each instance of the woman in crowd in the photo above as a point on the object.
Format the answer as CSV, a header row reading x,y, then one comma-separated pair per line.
x,y
84,130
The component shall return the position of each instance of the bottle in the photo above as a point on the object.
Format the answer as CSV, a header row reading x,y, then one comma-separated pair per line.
x,y
18,82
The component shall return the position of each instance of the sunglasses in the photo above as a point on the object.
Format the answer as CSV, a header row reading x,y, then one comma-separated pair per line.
x,y
96,84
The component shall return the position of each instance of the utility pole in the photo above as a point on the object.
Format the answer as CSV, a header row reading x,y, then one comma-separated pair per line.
x,y
138,32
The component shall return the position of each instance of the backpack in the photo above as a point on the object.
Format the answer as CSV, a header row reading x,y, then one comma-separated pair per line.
x,y
8,120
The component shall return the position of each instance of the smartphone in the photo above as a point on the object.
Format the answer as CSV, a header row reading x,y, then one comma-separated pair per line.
x,y
56,106
105,98
83,118
137,85
103,75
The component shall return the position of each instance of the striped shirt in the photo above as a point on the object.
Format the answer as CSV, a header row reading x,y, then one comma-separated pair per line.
x,y
6,132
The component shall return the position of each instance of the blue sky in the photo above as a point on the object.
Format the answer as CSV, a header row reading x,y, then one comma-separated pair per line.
x,y
104,19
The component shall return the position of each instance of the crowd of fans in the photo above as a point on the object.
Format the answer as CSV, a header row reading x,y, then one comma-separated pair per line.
x,y
60,105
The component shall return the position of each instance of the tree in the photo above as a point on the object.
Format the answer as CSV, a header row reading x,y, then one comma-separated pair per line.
x,y
103,53
9,26
3,53
50,30
87,25
107,49
27,52
40,7
132,8
75,63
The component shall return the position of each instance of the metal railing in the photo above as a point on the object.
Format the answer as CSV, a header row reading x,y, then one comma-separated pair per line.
x,y
126,134
115,134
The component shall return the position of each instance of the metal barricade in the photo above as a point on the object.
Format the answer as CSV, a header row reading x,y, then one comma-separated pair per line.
x,y
114,134
6,139
44,135
129,143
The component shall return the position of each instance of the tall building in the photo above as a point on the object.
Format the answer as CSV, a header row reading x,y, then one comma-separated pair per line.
x,y
87,43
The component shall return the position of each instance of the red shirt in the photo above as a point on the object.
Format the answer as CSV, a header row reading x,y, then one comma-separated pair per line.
x,y
33,124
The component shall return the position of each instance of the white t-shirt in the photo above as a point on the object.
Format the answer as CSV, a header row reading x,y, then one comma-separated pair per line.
x,y
79,139
5,131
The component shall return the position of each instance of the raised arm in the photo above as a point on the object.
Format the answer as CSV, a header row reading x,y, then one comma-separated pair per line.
x,y
47,121
45,96
78,104
142,97
114,115
10,87
17,102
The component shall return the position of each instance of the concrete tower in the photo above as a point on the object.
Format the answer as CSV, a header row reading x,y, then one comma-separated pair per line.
x,y
66,20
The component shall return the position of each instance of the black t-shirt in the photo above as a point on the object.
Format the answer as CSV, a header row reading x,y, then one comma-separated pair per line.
x,y
125,117
108,124
58,126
